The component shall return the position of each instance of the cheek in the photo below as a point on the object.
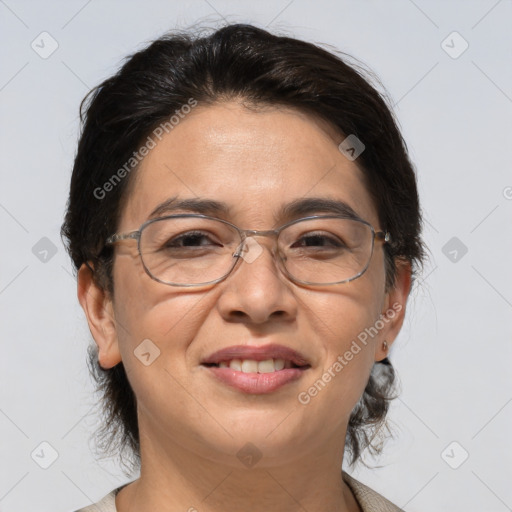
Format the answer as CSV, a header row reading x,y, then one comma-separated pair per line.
x,y
156,326
342,312
147,310
342,323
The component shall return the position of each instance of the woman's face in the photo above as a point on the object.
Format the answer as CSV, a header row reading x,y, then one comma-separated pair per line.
x,y
256,162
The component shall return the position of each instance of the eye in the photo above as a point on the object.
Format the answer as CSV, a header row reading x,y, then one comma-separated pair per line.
x,y
190,239
328,241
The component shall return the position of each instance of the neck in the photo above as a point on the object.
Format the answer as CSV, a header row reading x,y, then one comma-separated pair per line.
x,y
176,478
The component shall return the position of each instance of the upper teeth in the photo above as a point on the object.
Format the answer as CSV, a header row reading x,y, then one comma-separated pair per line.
x,y
251,366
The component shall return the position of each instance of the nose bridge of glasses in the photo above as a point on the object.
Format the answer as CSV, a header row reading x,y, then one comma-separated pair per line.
x,y
253,233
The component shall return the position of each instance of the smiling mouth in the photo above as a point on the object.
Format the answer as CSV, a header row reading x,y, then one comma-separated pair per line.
x,y
253,366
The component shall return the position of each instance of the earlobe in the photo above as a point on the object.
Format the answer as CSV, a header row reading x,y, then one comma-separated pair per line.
x,y
97,305
393,313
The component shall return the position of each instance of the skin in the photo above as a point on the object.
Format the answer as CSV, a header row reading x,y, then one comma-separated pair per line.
x,y
191,425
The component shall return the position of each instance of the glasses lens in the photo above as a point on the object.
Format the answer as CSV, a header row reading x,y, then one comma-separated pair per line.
x,y
326,250
188,250
193,250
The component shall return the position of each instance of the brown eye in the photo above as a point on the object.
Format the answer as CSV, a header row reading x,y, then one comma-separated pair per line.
x,y
318,240
190,239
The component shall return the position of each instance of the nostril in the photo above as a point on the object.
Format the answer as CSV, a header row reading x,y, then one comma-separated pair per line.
x,y
279,313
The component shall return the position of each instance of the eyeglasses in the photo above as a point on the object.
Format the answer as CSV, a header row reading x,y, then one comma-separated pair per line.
x,y
195,250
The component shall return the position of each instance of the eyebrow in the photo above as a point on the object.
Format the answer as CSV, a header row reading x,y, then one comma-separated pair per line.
x,y
295,209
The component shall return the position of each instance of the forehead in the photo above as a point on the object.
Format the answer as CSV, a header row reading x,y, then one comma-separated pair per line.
x,y
254,161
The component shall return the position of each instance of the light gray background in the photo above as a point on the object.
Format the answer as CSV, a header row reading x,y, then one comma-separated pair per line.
x,y
454,353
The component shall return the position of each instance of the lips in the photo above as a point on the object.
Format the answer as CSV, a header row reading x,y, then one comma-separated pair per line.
x,y
256,370
264,353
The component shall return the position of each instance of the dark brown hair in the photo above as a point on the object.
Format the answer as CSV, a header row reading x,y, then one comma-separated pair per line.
x,y
251,64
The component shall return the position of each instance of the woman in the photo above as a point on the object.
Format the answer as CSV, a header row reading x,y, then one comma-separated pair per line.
x,y
245,224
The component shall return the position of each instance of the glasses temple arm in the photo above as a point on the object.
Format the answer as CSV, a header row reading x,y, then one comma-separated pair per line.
x,y
122,236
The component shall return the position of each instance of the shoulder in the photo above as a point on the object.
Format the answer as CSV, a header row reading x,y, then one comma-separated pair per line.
x,y
107,504
368,499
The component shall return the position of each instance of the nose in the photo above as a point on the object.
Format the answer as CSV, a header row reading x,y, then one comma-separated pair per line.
x,y
257,291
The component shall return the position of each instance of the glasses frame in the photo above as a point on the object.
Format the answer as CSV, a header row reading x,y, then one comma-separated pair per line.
x,y
383,236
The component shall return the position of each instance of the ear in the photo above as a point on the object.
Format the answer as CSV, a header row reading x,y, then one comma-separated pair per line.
x,y
393,311
97,305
